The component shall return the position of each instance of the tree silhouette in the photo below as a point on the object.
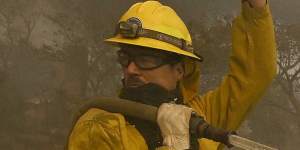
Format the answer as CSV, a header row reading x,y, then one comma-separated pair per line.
x,y
289,67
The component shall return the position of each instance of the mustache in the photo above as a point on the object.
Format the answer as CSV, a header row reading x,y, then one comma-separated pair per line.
x,y
133,81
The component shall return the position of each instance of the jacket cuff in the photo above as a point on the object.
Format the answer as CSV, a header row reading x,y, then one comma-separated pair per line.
x,y
250,13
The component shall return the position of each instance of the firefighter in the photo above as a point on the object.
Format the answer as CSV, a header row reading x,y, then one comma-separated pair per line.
x,y
160,66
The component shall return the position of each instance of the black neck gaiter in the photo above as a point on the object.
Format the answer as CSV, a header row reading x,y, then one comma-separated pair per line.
x,y
150,94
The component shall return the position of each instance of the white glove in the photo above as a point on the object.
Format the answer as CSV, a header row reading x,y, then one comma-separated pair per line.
x,y
173,121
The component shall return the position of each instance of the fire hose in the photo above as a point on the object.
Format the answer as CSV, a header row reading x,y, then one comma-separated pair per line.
x,y
148,112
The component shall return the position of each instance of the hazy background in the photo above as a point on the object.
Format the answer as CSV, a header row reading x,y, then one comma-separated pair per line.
x,y
52,56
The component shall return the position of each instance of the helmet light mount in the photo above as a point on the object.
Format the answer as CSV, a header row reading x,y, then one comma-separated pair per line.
x,y
132,28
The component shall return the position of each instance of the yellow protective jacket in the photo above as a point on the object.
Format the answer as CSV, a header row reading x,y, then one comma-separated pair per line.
x,y
252,67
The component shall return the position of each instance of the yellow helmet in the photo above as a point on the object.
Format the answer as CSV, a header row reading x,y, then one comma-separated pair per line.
x,y
151,24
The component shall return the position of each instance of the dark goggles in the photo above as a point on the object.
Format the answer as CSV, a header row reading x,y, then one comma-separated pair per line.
x,y
146,61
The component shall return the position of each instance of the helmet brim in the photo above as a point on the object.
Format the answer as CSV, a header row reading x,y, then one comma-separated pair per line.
x,y
152,43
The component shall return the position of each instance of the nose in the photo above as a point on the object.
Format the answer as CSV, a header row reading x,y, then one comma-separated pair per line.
x,y
132,68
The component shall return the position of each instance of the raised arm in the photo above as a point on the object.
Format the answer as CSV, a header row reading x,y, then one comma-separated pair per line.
x,y
252,67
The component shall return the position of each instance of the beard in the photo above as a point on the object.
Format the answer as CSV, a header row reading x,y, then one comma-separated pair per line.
x,y
151,94
132,82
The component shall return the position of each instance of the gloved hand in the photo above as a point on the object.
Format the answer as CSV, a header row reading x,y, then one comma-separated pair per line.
x,y
173,121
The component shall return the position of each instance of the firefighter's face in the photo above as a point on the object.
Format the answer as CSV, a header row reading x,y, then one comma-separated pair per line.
x,y
141,67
